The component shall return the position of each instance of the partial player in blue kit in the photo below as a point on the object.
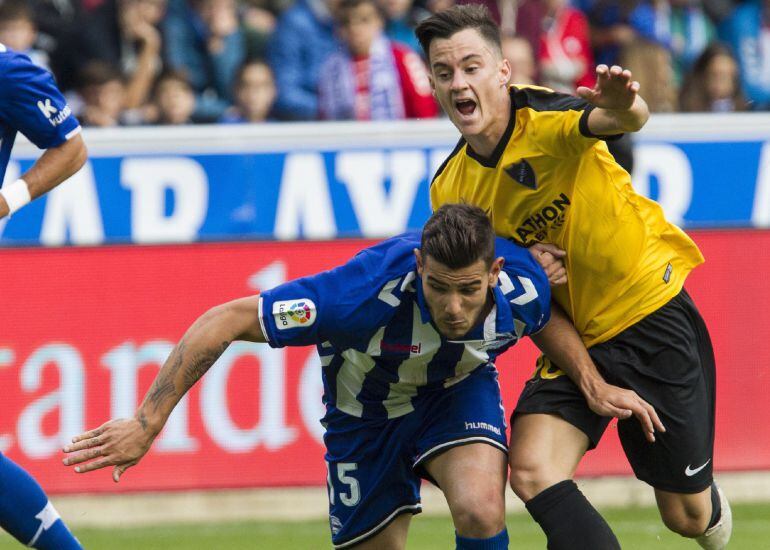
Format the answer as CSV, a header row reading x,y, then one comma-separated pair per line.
x,y
405,383
31,104
407,332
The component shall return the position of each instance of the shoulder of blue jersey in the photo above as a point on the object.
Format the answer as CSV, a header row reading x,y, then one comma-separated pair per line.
x,y
8,55
375,276
390,258
516,256
346,303
525,285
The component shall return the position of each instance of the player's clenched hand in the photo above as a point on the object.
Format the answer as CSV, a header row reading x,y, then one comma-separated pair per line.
x,y
609,400
120,443
551,259
614,89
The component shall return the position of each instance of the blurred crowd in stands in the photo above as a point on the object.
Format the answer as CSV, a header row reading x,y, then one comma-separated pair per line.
x,y
128,62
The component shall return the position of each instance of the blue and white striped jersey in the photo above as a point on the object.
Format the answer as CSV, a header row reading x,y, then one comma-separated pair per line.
x,y
378,346
30,103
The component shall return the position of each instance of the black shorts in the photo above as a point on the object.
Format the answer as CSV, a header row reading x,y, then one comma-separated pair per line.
x,y
668,360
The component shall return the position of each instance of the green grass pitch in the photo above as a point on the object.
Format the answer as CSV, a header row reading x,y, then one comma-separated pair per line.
x,y
637,529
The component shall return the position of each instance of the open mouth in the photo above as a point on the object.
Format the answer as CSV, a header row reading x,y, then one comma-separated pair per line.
x,y
465,107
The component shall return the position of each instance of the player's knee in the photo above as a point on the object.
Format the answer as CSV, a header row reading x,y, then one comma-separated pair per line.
x,y
528,478
480,515
689,523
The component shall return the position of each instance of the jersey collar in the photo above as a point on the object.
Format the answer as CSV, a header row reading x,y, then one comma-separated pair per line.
x,y
492,161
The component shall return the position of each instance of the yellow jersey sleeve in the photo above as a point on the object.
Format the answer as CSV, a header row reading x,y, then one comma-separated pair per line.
x,y
557,124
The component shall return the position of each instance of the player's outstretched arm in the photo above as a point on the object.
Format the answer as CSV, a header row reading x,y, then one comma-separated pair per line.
x,y
620,108
53,167
561,343
123,442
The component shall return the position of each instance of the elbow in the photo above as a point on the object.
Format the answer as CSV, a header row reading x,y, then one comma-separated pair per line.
x,y
225,320
215,314
76,155
81,156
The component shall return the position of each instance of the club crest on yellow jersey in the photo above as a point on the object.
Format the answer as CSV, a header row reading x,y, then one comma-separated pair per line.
x,y
522,173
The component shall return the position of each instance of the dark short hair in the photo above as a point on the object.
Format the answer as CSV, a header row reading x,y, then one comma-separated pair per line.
x,y
171,75
447,23
16,10
246,65
98,73
459,235
346,6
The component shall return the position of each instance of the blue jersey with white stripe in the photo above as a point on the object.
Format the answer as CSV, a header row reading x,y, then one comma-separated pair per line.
x,y
378,347
30,103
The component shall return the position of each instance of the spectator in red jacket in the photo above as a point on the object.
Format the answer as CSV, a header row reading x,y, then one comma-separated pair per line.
x,y
565,56
375,78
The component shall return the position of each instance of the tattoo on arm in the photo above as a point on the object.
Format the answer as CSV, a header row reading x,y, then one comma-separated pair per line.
x,y
163,386
142,420
201,363
197,365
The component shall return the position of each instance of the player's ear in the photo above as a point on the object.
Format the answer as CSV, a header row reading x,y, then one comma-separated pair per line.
x,y
494,270
505,72
418,257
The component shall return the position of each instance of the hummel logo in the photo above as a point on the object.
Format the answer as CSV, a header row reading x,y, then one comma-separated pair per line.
x,y
691,472
401,348
482,426
46,108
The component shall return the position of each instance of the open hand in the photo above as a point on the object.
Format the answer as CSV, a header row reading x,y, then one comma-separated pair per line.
x,y
120,443
609,400
614,89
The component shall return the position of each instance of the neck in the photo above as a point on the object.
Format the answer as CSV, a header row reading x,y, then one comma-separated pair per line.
x,y
485,142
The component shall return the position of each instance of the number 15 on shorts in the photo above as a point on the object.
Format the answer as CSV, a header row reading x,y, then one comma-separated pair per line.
x,y
350,492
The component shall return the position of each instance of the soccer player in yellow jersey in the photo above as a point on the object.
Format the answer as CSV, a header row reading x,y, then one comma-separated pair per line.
x,y
536,162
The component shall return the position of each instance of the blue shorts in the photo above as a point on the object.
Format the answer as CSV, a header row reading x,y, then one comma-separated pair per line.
x,y
375,465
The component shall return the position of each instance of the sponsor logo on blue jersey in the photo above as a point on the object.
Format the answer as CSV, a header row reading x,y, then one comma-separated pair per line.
x,y
54,115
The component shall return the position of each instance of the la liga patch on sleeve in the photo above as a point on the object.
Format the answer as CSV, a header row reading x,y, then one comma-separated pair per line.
x,y
294,313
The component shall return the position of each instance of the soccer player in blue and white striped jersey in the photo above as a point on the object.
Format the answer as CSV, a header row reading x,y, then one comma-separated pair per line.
x,y
31,104
407,331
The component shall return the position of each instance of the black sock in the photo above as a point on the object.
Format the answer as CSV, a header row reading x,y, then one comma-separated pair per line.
x,y
569,521
716,507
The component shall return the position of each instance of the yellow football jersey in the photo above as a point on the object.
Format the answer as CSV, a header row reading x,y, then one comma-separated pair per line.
x,y
550,180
